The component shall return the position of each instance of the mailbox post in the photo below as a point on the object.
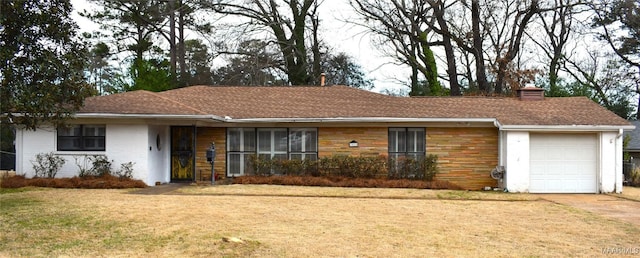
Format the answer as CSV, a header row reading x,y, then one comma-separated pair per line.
x,y
211,158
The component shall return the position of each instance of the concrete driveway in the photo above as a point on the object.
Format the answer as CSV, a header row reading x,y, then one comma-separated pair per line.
x,y
601,204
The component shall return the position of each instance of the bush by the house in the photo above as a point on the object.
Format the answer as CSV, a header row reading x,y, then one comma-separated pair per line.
x,y
101,165
353,167
407,168
634,178
348,167
47,164
94,171
126,170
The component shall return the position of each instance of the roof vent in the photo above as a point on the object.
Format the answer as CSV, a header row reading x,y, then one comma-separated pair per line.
x,y
531,92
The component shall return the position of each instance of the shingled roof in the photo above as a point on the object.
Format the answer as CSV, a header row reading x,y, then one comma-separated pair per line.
x,y
309,102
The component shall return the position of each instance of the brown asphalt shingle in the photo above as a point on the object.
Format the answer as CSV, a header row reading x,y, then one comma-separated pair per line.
x,y
136,102
347,102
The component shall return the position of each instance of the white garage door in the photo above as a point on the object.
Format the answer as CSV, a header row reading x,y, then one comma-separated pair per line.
x,y
563,163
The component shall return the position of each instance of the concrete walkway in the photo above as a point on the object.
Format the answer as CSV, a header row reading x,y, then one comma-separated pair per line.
x,y
601,204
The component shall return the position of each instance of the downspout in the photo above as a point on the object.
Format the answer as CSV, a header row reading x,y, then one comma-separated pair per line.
x,y
618,161
195,151
500,143
501,154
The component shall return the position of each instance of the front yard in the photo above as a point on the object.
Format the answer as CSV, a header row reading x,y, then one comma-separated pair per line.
x,y
289,221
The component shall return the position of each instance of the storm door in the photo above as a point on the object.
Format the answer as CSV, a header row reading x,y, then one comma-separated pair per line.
x,y
182,153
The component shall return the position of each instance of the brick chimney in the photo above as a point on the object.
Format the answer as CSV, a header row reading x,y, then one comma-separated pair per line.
x,y
531,92
322,79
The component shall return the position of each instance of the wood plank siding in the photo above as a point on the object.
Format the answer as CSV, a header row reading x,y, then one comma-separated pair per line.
x,y
372,141
204,137
466,156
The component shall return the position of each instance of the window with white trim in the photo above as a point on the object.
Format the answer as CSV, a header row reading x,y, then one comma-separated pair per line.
x,y
303,144
268,143
81,138
241,144
407,143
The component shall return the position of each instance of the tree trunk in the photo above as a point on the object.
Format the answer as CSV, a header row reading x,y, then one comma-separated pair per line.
x,y
184,80
501,74
172,37
553,73
481,75
452,72
638,92
315,49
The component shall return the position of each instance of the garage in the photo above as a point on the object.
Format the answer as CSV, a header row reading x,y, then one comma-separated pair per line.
x,y
563,163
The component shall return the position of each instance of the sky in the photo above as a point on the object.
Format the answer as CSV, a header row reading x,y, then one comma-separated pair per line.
x,y
338,34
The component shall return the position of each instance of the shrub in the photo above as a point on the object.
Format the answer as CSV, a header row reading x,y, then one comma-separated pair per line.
x,y
347,166
47,164
261,166
83,165
353,167
100,165
407,168
126,170
634,178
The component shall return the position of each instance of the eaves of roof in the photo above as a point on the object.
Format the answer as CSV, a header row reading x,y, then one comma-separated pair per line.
x,y
340,104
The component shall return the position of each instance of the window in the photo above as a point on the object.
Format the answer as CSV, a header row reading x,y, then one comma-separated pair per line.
x,y
81,138
303,144
407,143
241,144
272,143
269,143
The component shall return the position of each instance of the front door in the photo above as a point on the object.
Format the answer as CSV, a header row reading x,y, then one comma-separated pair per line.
x,y
182,153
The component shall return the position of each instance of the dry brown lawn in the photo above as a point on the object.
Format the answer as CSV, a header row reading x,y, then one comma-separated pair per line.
x,y
631,193
277,221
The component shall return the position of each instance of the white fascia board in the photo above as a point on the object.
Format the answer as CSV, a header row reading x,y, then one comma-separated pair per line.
x,y
565,128
359,119
147,116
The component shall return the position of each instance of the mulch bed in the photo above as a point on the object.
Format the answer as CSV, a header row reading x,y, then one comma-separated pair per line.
x,y
102,182
111,182
345,182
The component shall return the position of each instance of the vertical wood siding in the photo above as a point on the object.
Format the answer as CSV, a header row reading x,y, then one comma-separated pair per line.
x,y
204,137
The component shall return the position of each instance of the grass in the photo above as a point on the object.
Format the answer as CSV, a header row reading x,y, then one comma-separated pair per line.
x,y
281,221
352,192
632,193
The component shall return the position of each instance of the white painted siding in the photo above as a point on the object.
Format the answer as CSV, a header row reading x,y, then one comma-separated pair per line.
x,y
123,143
128,143
610,162
517,158
29,143
159,158
517,161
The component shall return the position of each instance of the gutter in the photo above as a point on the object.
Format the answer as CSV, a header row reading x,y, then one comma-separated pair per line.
x,y
573,128
146,116
359,119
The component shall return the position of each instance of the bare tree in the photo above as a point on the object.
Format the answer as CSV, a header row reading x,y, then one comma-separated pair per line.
x,y
557,26
608,79
406,25
288,23
625,41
